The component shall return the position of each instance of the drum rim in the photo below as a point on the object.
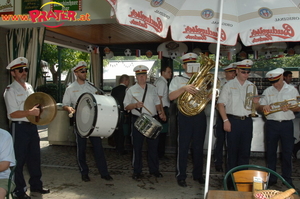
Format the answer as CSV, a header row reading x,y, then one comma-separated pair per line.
x,y
119,110
94,120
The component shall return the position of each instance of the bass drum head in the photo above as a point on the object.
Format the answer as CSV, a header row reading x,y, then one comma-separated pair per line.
x,y
86,114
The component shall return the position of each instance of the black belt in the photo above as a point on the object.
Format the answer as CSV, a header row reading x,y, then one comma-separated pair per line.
x,y
237,117
21,122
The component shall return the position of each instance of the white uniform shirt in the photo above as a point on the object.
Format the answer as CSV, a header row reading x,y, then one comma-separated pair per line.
x,y
74,91
162,90
6,152
15,96
151,99
178,82
272,95
223,81
233,96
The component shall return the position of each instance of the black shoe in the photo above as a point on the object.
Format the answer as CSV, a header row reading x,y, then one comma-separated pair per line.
x,y
41,190
200,180
181,183
25,196
157,174
85,178
219,168
136,176
108,177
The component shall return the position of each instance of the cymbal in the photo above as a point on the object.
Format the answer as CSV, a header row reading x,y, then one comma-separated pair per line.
x,y
47,107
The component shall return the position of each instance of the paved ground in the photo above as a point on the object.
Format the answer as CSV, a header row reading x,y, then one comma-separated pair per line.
x,y
61,175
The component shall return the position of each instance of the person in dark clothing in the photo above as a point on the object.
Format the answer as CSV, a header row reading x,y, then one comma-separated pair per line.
x,y
118,93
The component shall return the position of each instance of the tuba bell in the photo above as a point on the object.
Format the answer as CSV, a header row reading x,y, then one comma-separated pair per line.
x,y
192,104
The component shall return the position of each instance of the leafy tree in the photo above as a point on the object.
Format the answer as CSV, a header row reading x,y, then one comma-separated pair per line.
x,y
69,58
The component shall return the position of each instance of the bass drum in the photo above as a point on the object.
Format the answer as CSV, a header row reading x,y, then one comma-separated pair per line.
x,y
96,115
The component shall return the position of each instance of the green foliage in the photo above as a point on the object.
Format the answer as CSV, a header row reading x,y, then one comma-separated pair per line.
x,y
51,89
283,62
69,57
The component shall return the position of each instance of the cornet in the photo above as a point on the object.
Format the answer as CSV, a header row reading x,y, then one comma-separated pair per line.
x,y
291,103
249,105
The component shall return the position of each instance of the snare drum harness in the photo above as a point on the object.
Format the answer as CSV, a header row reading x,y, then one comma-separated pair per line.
x,y
144,96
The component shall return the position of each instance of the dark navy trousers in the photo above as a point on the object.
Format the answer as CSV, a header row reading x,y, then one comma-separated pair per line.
x,y
220,135
283,132
27,151
137,142
98,154
239,142
192,130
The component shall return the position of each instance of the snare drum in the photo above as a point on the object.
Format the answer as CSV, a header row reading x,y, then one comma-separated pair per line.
x,y
148,126
96,115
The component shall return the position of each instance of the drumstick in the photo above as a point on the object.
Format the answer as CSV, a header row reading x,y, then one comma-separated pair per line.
x,y
143,105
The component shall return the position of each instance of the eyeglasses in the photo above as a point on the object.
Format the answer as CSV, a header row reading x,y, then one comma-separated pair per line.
x,y
22,69
245,72
83,71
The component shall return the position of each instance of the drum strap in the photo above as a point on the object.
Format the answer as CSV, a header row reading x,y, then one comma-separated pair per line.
x,y
144,96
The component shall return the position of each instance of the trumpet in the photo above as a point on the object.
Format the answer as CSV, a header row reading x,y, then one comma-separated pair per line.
x,y
249,105
290,103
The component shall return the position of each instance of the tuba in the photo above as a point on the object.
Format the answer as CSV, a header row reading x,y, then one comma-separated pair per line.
x,y
192,104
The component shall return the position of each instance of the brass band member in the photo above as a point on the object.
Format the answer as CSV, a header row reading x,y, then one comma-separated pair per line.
x,y
147,97
72,93
230,73
163,92
279,125
25,134
192,129
235,116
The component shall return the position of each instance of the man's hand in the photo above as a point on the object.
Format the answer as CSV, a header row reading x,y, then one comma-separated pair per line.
x,y
267,109
162,116
71,111
35,111
190,89
139,105
227,126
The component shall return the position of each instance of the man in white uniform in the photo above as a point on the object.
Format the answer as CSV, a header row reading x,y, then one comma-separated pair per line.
x,y
163,92
192,129
24,133
236,118
138,99
230,73
72,93
279,125
7,159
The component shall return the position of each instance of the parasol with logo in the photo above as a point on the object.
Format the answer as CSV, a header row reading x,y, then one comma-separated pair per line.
x,y
255,21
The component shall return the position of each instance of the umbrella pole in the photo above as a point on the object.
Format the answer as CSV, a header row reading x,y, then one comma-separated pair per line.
x,y
212,110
